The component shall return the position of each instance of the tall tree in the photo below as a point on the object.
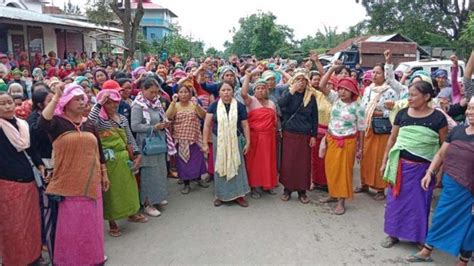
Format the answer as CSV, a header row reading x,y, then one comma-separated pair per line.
x,y
421,20
259,34
71,9
467,36
175,43
99,12
130,24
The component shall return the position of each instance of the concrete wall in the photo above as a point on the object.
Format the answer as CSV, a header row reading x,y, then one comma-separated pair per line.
x,y
49,38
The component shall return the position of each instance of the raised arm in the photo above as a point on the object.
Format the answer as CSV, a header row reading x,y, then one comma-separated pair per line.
x,y
467,80
314,57
324,80
454,79
48,111
390,75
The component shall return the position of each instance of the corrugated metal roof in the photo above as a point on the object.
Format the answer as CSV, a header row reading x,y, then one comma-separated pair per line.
x,y
380,38
17,14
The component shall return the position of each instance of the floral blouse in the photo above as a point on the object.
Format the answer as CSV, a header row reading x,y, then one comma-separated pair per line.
x,y
388,95
346,118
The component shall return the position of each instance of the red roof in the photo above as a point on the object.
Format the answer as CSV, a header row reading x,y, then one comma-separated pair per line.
x,y
149,4
347,44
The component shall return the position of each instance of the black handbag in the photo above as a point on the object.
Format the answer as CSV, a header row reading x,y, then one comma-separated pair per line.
x,y
381,125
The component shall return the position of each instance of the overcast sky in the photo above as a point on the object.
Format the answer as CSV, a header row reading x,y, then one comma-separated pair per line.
x,y
211,20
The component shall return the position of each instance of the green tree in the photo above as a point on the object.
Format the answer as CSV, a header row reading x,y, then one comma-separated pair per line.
x,y
467,35
99,12
259,34
428,22
175,43
213,52
71,9
323,40
130,23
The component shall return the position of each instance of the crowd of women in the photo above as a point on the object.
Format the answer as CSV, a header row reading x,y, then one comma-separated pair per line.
x,y
97,146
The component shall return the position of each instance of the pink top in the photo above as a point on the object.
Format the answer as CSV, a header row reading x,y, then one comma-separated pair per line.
x,y
252,103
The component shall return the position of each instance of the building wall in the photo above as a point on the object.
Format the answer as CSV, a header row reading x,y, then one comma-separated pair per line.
x,y
90,44
155,33
49,37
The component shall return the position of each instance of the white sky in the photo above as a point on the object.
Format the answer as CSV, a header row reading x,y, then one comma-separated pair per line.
x,y
212,20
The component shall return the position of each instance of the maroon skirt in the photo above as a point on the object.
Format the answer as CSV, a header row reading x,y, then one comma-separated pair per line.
x,y
295,174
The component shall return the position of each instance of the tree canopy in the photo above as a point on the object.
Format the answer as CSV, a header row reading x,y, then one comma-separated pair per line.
x,y
428,22
70,8
259,34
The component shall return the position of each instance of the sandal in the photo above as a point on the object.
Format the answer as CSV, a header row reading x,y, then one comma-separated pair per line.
x,y
389,242
218,203
379,196
304,198
202,184
417,258
285,197
115,232
255,194
361,189
339,211
138,218
327,200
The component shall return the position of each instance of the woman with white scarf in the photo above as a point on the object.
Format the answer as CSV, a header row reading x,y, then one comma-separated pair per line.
x,y
374,144
20,222
229,129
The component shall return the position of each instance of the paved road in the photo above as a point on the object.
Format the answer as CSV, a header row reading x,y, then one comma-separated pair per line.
x,y
192,231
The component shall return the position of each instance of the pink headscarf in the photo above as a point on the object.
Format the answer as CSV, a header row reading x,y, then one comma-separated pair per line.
x,y
114,95
72,90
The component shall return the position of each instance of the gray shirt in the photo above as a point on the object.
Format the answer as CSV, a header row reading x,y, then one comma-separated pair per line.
x,y
142,129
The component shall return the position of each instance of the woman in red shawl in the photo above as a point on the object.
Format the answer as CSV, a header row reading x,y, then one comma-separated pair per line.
x,y
52,72
261,158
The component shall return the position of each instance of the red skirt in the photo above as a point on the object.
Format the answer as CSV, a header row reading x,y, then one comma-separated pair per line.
x,y
261,161
20,223
318,172
295,174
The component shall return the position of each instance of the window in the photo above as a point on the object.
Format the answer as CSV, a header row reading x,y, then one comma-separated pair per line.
x,y
153,36
35,40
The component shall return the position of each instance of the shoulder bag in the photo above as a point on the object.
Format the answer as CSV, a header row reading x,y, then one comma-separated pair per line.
x,y
380,125
154,144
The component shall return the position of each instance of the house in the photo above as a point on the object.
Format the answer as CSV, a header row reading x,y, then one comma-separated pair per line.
x,y
368,50
24,26
157,20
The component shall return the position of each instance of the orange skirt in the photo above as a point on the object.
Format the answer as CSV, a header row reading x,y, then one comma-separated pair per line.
x,y
374,148
339,162
20,223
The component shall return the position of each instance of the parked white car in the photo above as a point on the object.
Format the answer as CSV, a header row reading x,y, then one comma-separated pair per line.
x,y
431,66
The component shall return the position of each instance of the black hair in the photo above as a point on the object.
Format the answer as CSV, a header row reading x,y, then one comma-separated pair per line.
x,y
5,93
228,83
68,78
381,65
38,85
424,88
116,75
38,97
148,83
313,73
122,81
339,69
